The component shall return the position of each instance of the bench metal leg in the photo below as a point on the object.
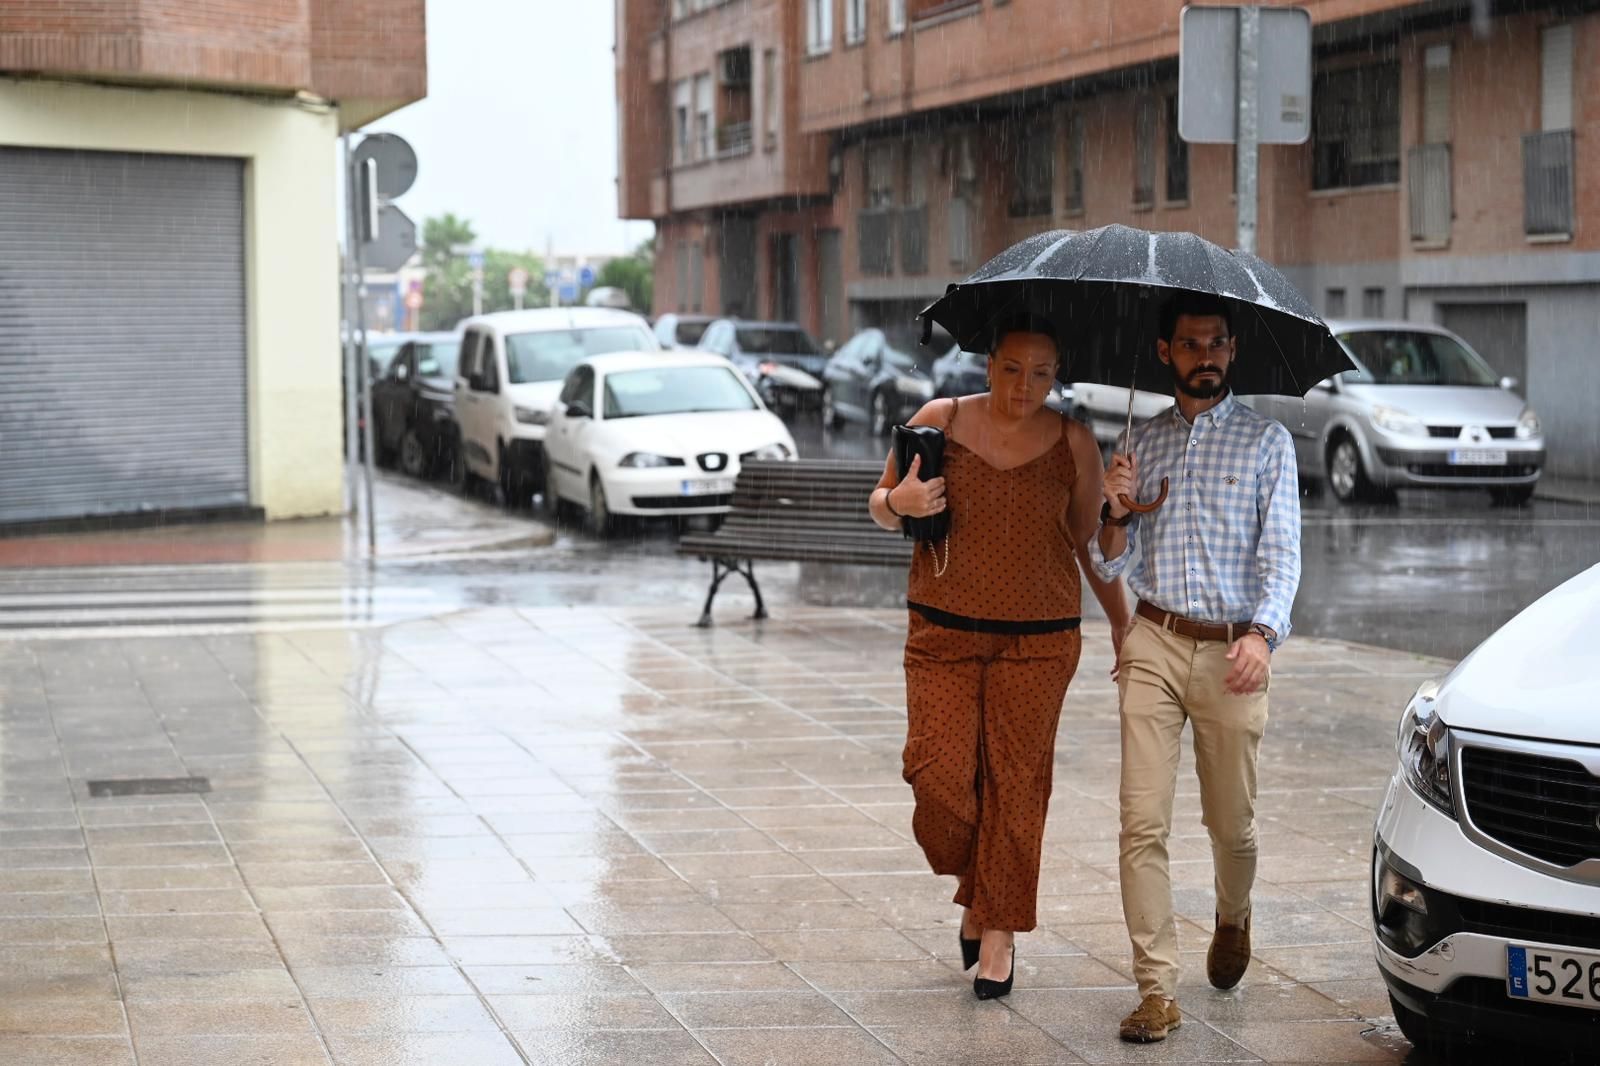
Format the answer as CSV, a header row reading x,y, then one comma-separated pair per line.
x,y
722,568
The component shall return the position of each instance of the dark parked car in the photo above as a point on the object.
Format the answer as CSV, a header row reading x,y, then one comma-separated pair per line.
x,y
779,358
680,331
874,380
959,373
413,405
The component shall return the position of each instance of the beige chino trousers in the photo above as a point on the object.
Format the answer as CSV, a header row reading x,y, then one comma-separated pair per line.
x,y
1165,681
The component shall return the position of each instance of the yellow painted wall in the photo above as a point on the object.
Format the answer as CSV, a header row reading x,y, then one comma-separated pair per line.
x,y
291,257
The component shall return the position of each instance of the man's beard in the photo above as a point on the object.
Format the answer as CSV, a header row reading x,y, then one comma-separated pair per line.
x,y
1201,390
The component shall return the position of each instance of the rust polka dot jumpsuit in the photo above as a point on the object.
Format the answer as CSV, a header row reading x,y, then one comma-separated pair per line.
x,y
992,645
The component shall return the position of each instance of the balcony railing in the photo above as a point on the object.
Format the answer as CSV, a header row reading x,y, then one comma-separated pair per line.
x,y
1547,184
914,239
734,138
1428,190
875,230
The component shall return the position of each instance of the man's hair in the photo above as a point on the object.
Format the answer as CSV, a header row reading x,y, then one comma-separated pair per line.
x,y
1196,305
1024,322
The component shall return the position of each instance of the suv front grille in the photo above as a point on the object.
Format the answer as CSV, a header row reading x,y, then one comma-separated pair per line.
x,y
1541,806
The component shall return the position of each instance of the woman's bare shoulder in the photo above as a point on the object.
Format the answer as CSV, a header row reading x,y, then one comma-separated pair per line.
x,y
934,413
1080,437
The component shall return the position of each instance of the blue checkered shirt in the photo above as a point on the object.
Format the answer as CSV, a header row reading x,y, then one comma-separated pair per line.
x,y
1225,547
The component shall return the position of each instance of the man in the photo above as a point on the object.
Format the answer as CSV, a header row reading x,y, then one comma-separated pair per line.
x,y
1217,569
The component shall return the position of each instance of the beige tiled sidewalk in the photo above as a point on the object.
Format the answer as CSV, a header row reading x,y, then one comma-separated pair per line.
x,y
583,836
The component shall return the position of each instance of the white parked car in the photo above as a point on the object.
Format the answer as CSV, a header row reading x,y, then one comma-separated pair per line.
x,y
1486,858
509,374
655,433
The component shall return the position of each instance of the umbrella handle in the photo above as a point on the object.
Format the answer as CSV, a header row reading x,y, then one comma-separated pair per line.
x,y
1145,508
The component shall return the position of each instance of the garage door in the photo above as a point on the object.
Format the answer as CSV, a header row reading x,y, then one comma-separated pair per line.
x,y
122,334
1498,332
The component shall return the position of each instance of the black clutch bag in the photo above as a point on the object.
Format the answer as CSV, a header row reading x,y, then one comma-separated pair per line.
x,y
927,442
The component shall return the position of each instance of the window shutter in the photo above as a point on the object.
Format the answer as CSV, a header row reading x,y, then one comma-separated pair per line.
x,y
1436,95
1555,108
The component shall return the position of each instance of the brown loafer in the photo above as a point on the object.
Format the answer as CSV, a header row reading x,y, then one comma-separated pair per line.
x,y
1152,1021
1229,956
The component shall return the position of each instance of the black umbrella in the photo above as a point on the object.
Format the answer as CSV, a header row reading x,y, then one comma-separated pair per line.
x,y
1102,289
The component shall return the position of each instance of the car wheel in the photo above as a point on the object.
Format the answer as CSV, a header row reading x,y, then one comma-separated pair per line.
x,y
549,502
413,456
1346,476
880,414
830,413
1514,496
600,520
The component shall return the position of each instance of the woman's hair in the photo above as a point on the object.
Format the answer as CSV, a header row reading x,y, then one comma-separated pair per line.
x,y
1024,322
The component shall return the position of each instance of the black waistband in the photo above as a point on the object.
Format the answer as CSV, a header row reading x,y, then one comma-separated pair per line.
x,y
993,625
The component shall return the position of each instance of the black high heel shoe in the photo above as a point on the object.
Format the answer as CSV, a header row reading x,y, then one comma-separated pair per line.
x,y
984,988
969,950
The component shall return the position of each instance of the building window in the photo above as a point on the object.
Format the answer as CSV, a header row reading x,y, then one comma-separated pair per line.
x,y
1355,127
1436,95
1034,173
855,21
680,116
819,26
880,163
1555,78
1334,303
734,133
1144,152
702,116
897,17
1075,135
1372,303
769,99
697,276
1177,156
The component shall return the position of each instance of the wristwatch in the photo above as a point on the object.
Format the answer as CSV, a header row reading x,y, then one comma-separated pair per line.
x,y
1265,632
1107,520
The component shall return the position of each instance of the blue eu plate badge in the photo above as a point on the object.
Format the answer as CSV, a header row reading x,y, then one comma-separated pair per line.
x,y
1517,971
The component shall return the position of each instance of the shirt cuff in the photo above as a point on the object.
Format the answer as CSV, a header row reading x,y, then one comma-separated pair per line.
x,y
1108,569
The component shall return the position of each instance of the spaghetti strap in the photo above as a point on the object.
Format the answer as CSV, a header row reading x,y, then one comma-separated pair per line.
x,y
950,423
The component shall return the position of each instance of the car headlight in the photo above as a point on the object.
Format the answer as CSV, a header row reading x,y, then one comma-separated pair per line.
x,y
640,460
1528,425
532,416
1424,744
1397,421
769,451
907,385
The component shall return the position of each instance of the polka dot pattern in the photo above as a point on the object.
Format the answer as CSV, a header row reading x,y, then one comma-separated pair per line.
x,y
982,708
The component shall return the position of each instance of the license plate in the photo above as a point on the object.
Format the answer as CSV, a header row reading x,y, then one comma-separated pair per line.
x,y
1478,457
1551,976
716,486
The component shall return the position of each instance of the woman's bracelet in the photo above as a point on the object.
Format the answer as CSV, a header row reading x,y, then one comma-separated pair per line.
x,y
890,506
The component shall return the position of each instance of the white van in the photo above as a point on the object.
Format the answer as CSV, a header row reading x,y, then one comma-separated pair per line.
x,y
509,374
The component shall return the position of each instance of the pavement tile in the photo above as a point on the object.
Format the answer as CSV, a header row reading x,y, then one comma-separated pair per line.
x,y
300,951
796,1047
422,1049
388,1015
62,1016
547,1047
283,1015
933,1044
185,901
373,982
1309,1041
570,979
266,983
746,1010
18,1050
210,1050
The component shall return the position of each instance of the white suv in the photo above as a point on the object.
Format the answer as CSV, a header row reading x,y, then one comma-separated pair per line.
x,y
1486,859
509,375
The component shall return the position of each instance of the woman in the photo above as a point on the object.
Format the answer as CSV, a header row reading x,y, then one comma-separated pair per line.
x,y
993,637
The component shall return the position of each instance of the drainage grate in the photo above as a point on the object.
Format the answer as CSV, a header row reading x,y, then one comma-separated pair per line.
x,y
148,786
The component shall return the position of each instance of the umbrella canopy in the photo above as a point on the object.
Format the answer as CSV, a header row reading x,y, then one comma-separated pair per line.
x,y
1103,290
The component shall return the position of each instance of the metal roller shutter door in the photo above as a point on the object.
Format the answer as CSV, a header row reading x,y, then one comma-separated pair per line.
x,y
122,334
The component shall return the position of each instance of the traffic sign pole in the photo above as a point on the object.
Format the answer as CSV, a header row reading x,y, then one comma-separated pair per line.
x,y
352,417
1247,157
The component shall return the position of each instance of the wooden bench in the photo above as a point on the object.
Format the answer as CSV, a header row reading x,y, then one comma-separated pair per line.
x,y
808,510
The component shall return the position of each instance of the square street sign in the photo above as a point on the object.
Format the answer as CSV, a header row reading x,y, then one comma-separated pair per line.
x,y
1208,57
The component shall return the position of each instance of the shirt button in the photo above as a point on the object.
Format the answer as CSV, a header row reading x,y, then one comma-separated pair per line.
x,y
1193,443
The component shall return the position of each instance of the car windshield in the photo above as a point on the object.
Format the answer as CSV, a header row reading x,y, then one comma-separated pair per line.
x,y
382,353
776,340
688,332
674,391
1414,357
547,355
439,360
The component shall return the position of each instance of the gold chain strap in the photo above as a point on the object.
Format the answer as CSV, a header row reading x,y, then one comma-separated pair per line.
x,y
940,568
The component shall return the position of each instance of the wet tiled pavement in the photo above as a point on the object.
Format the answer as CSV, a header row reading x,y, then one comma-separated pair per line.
x,y
603,836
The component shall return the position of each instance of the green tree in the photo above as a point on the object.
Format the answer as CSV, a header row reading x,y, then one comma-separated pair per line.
x,y
447,289
497,266
634,274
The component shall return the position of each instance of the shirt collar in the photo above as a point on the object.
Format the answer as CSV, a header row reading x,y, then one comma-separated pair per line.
x,y
1218,414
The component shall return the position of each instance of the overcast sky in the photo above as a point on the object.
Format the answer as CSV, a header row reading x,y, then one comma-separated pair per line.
x,y
518,133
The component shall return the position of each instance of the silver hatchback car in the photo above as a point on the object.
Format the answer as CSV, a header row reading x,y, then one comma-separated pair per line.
x,y
1422,409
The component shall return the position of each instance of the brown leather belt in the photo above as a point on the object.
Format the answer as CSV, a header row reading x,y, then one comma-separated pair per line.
x,y
1186,627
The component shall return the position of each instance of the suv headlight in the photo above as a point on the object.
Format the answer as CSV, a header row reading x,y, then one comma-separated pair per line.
x,y
1424,744
907,385
531,416
639,460
1397,421
769,451
1528,425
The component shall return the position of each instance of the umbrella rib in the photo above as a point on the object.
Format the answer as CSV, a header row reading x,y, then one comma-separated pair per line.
x,y
1283,357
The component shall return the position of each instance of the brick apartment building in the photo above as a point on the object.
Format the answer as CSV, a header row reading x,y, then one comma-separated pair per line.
x,y
169,263
841,161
